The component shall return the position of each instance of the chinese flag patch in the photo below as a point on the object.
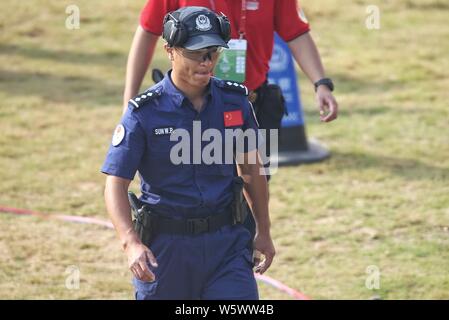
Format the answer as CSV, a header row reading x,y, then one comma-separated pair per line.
x,y
233,118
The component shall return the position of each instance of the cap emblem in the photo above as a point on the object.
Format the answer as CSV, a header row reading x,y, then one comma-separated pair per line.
x,y
203,23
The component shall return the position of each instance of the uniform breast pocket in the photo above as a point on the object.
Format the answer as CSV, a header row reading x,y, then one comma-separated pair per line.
x,y
161,144
160,133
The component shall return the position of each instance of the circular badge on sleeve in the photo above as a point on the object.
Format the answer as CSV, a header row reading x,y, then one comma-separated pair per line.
x,y
118,136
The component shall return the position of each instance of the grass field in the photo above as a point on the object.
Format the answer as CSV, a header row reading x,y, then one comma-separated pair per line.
x,y
381,200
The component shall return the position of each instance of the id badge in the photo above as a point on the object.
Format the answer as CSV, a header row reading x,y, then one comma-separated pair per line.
x,y
232,62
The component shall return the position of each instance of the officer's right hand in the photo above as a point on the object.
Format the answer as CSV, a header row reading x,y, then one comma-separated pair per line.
x,y
138,257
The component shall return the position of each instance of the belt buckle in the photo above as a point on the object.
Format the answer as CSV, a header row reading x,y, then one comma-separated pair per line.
x,y
197,226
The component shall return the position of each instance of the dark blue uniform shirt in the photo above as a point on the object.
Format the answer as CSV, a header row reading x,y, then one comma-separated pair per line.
x,y
178,190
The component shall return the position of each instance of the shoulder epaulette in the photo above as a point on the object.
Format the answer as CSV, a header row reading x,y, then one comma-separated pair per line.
x,y
235,86
142,98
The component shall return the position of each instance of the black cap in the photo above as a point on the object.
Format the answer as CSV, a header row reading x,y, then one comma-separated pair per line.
x,y
202,27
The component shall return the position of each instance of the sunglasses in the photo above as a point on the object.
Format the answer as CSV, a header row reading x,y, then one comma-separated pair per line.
x,y
202,55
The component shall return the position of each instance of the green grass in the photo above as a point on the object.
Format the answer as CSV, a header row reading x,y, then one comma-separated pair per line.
x,y
382,198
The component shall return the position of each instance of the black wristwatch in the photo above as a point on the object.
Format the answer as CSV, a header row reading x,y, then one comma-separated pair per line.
x,y
325,81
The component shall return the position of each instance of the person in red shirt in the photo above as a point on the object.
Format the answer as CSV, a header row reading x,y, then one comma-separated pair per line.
x,y
253,20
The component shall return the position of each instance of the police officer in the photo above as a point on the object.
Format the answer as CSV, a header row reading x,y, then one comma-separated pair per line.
x,y
254,22
197,250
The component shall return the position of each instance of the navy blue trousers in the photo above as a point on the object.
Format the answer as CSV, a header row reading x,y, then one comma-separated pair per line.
x,y
210,266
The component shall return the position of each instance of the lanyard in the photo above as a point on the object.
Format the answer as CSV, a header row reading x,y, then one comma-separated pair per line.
x,y
242,27
212,4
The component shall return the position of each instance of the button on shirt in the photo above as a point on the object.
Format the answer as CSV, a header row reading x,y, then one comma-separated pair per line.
x,y
193,189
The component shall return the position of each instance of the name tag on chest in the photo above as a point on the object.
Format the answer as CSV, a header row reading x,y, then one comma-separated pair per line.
x,y
163,131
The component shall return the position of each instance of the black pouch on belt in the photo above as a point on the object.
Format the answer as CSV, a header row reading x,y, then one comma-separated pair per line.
x,y
142,220
270,106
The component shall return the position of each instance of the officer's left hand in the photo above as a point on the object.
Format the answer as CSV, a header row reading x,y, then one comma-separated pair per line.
x,y
327,104
264,245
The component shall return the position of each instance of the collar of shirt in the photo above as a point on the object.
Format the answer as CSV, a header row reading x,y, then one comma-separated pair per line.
x,y
179,99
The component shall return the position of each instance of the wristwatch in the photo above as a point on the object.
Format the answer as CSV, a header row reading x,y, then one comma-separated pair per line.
x,y
325,81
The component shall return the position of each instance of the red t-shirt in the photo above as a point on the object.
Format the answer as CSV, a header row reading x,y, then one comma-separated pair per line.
x,y
263,18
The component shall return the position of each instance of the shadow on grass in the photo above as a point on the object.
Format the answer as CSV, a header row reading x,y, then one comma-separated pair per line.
x,y
60,88
63,88
434,5
409,169
347,83
69,56
345,112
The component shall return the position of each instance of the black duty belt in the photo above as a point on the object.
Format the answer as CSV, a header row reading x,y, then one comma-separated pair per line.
x,y
191,226
148,223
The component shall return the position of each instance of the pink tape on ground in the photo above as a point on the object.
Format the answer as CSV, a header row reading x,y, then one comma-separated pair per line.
x,y
270,281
